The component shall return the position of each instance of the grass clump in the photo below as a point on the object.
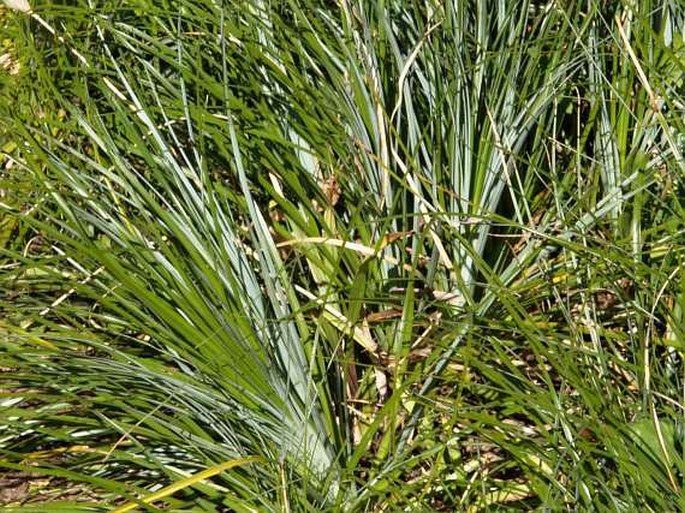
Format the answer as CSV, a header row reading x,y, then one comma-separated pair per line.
x,y
313,256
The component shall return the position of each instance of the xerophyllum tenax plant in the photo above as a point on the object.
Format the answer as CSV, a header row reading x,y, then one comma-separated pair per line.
x,y
319,256
226,319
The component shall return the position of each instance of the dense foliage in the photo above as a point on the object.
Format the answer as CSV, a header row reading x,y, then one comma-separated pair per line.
x,y
343,255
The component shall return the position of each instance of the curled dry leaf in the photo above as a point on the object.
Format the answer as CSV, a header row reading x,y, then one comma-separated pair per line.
x,y
331,190
9,65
